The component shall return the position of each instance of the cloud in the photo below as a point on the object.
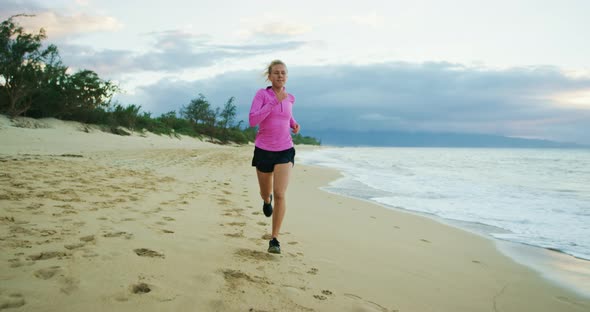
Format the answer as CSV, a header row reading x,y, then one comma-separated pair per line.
x,y
436,97
13,7
58,25
372,19
55,24
171,51
270,28
577,98
278,28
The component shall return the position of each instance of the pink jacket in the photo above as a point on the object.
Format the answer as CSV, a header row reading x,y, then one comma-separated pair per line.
x,y
274,120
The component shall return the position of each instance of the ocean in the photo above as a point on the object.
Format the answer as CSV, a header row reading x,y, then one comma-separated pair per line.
x,y
535,197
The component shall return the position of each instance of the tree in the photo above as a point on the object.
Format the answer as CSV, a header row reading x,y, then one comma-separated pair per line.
x,y
49,94
198,110
32,78
22,63
228,114
126,116
84,91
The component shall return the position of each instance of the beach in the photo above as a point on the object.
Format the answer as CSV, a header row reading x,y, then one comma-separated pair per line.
x,y
92,221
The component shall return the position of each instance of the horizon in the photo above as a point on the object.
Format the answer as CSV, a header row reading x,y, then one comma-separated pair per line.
x,y
503,68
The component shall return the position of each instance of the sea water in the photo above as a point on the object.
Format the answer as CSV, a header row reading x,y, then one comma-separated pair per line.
x,y
538,197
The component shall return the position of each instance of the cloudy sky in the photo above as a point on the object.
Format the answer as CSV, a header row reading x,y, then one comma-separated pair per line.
x,y
516,68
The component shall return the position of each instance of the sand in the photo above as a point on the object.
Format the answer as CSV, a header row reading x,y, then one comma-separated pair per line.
x,y
91,221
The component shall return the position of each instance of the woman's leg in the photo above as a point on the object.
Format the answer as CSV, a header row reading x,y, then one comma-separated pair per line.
x,y
265,183
281,181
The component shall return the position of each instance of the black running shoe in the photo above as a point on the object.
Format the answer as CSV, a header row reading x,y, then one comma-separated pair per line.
x,y
274,246
267,208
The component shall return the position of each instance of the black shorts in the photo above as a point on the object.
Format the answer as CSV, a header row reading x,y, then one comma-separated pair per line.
x,y
265,161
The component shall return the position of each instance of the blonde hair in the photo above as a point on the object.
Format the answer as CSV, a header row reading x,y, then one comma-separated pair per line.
x,y
269,67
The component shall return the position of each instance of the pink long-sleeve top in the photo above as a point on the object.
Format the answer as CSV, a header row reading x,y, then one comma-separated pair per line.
x,y
274,120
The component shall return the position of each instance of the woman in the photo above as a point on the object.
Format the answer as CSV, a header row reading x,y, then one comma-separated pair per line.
x,y
274,154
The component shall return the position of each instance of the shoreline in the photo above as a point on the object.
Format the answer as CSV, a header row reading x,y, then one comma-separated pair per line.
x,y
152,224
481,241
556,266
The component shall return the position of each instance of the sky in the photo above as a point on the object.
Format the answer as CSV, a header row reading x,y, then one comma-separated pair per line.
x,y
516,68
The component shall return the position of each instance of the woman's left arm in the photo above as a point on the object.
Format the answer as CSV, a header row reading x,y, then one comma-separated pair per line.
x,y
295,126
292,122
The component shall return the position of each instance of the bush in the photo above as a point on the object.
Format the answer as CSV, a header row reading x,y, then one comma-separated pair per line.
x,y
299,139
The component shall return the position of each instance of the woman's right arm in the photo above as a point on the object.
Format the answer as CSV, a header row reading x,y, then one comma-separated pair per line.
x,y
259,109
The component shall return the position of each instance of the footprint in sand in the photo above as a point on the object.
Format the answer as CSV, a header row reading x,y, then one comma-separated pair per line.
x,y
48,255
89,238
11,300
254,255
144,252
69,285
17,263
237,224
223,201
140,288
74,246
313,271
233,212
89,254
118,234
235,277
235,235
47,273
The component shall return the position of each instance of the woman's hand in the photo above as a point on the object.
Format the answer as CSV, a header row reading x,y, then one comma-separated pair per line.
x,y
296,129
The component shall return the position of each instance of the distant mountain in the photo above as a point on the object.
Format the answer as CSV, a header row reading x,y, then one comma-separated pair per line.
x,y
427,139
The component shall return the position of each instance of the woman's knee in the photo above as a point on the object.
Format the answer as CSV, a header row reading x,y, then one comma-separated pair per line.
x,y
280,195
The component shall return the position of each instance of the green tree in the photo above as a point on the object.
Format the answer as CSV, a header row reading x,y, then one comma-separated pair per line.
x,y
299,139
83,92
227,117
198,110
126,116
49,89
22,63
32,78
179,125
228,114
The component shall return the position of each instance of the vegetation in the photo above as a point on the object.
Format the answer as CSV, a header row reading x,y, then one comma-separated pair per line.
x,y
35,83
